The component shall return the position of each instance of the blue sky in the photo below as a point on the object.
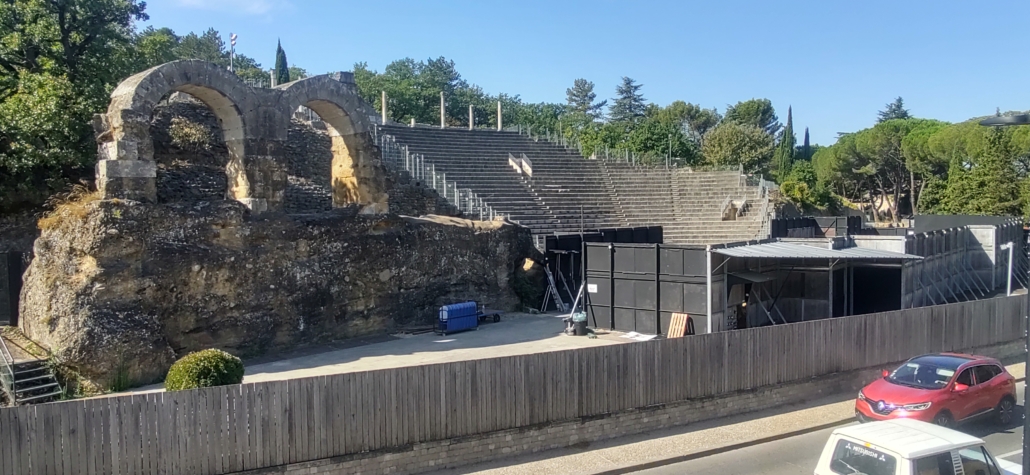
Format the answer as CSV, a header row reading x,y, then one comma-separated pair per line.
x,y
836,62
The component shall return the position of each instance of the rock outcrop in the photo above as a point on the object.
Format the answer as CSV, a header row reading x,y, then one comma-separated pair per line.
x,y
119,289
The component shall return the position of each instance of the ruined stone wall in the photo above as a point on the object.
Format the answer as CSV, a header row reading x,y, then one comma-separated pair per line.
x,y
198,174
125,288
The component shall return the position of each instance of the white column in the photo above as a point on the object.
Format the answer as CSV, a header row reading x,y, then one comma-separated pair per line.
x,y
443,112
472,118
498,116
384,107
708,286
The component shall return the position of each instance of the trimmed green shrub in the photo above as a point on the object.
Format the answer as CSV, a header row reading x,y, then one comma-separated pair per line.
x,y
204,369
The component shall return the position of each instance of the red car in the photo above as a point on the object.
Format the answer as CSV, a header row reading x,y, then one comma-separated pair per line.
x,y
945,389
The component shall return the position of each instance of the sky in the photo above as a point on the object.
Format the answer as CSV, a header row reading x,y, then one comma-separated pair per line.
x,y
835,62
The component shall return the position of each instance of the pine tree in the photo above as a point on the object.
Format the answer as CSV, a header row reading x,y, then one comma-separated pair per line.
x,y
282,69
984,185
629,103
580,98
784,157
806,149
894,110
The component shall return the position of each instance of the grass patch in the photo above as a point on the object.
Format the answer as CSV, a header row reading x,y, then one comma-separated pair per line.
x,y
70,204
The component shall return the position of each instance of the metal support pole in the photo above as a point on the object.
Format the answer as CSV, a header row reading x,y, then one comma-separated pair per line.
x,y
708,286
1008,283
472,119
443,112
434,175
1026,394
498,116
384,107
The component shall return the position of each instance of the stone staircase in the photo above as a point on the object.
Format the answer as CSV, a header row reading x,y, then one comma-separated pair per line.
x,y
567,192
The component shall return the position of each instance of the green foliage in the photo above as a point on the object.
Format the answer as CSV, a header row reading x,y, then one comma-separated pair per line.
x,y
755,112
732,143
783,158
204,369
894,110
282,68
629,104
59,61
189,135
580,98
297,73
983,184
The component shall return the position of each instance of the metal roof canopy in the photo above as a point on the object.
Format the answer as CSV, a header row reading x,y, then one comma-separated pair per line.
x,y
783,250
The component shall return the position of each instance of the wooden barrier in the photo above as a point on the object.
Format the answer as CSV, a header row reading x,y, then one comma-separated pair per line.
x,y
234,428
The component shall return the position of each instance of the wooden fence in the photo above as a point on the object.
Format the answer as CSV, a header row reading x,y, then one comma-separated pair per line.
x,y
233,428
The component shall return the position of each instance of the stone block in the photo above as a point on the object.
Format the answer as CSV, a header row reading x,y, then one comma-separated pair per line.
x,y
127,179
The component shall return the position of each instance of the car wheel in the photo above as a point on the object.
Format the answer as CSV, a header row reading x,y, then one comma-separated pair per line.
x,y
944,420
1005,411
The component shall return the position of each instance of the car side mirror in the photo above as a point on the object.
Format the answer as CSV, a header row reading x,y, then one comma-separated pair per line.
x,y
959,387
884,373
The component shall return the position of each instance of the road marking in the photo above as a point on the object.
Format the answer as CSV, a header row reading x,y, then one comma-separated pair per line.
x,y
1014,452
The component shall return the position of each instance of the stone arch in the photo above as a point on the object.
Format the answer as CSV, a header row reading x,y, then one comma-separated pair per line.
x,y
357,170
124,132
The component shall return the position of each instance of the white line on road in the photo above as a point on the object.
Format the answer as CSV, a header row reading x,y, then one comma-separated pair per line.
x,y
1014,452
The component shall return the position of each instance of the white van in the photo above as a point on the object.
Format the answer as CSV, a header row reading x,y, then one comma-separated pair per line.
x,y
908,447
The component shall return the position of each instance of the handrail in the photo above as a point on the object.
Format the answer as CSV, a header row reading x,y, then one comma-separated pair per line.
x,y
722,208
7,372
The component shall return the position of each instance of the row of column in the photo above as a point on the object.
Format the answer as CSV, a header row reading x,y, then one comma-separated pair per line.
x,y
443,113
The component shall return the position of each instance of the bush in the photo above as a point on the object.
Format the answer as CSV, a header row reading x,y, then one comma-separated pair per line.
x,y
189,135
204,369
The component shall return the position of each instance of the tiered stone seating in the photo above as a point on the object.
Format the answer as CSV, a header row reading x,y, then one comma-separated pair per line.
x,y
567,192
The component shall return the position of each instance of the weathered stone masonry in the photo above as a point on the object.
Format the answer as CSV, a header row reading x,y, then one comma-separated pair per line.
x,y
277,234
255,126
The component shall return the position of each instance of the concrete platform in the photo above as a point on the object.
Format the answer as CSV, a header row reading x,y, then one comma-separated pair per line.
x,y
515,334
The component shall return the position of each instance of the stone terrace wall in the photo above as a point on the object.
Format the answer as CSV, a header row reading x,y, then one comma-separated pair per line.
x,y
126,287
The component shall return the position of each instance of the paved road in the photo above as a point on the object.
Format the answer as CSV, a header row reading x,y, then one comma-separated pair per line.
x,y
798,455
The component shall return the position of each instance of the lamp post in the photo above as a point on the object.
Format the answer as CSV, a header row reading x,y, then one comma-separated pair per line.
x,y
1022,119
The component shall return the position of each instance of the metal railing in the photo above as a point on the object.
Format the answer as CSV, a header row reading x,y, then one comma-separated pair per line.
x,y
464,199
7,372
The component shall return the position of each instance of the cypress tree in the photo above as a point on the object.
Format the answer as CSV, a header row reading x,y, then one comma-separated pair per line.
x,y
784,156
806,150
282,69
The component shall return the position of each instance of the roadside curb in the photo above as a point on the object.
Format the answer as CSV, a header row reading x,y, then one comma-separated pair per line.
x,y
719,450
731,447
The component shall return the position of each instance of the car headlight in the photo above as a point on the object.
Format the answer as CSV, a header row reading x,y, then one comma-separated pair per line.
x,y
861,396
916,407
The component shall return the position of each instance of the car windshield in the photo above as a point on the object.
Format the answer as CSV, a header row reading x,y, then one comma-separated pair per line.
x,y
926,372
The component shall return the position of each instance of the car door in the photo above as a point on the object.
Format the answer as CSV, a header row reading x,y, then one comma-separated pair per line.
x,y
986,387
964,402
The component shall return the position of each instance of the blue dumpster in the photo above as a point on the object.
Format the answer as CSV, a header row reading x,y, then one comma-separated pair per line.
x,y
458,317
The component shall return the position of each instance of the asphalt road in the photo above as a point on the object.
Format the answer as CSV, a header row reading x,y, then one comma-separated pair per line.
x,y
798,455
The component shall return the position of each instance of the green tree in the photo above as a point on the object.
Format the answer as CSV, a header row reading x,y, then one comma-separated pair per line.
x,y
731,143
155,46
206,47
297,73
629,104
695,120
282,69
580,98
784,156
805,153
983,184
894,110
59,61
756,112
